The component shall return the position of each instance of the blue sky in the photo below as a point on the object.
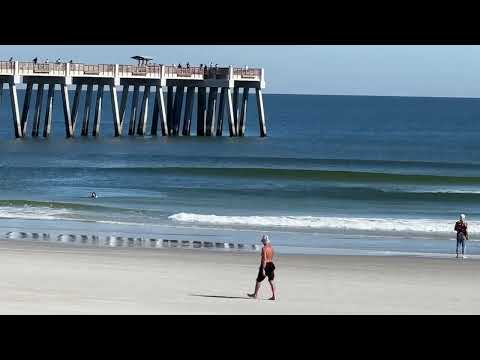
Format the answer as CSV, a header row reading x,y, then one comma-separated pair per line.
x,y
393,70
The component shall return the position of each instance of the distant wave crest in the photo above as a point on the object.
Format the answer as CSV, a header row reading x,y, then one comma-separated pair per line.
x,y
348,224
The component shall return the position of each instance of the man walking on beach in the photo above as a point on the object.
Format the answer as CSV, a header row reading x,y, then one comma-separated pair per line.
x,y
461,227
267,268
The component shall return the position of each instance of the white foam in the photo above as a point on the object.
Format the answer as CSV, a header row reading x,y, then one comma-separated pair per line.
x,y
395,225
28,212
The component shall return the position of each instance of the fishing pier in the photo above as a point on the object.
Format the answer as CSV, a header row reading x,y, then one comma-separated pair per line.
x,y
218,90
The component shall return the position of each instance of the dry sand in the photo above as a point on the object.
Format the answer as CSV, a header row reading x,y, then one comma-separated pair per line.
x,y
43,278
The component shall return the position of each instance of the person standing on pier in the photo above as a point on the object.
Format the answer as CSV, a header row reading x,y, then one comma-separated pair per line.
x,y
461,227
35,60
267,268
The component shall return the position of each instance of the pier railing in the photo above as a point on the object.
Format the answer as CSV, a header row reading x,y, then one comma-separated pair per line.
x,y
149,71
197,72
104,70
7,67
30,68
243,73
194,72
135,71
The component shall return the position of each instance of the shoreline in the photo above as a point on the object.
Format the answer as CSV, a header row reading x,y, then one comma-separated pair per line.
x,y
360,246
46,278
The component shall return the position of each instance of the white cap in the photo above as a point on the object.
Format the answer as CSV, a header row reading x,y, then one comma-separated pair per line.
x,y
265,239
462,216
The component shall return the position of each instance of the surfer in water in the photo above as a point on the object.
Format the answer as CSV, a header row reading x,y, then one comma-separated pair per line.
x,y
93,195
461,227
267,268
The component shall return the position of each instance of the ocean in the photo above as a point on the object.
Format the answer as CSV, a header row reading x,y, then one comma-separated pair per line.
x,y
336,174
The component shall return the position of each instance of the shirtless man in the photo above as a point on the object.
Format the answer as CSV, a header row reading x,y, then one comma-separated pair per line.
x,y
267,268
461,227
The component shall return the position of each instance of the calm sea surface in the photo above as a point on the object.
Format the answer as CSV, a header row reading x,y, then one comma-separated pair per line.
x,y
336,173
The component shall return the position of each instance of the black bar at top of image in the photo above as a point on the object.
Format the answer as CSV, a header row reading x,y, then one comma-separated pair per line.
x,y
198,23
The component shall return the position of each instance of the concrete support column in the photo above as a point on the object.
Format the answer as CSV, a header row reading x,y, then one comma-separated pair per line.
x,y
16,115
221,111
187,118
98,111
142,119
161,108
86,112
48,114
75,106
231,114
177,109
26,107
38,110
123,105
170,109
261,113
155,115
235,109
243,113
133,114
212,104
116,116
66,111
201,111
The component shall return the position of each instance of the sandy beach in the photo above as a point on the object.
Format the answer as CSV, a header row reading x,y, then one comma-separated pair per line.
x,y
44,278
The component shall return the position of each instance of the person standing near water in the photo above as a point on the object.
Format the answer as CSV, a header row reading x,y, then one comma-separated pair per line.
x,y
461,227
267,268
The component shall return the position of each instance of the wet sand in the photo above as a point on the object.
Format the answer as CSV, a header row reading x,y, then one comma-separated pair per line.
x,y
45,278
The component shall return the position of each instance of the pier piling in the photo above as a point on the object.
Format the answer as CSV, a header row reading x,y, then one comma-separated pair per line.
x,y
16,117
243,113
142,119
116,116
235,109
123,105
221,111
48,113
133,113
38,110
76,103
187,119
161,107
170,109
231,114
98,111
66,111
261,113
86,112
201,111
212,103
155,115
26,107
177,109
